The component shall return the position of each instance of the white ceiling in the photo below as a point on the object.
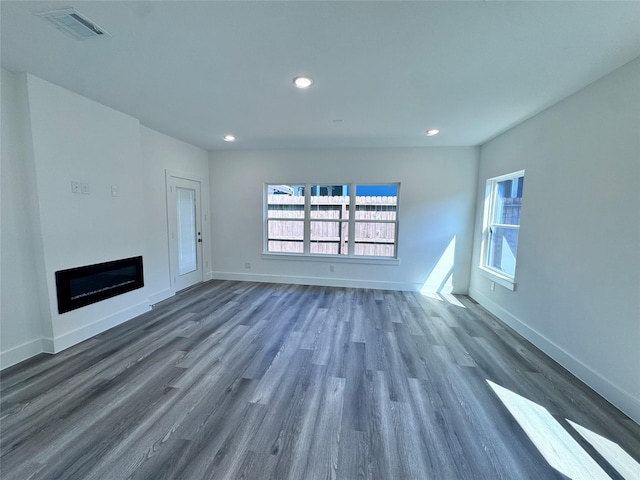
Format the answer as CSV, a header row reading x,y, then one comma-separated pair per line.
x,y
384,72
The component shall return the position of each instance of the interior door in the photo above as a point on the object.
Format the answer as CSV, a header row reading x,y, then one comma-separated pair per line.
x,y
185,232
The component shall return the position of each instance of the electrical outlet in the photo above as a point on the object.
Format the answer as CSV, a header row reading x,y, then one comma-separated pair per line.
x,y
332,268
247,266
493,286
85,188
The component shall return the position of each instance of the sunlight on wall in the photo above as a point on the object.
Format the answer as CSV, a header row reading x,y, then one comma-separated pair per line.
x,y
441,277
439,283
558,447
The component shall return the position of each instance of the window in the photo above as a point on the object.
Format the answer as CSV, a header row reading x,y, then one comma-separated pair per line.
x,y
285,218
343,220
503,203
376,220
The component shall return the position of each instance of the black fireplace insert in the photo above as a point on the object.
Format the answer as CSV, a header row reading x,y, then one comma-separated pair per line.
x,y
81,286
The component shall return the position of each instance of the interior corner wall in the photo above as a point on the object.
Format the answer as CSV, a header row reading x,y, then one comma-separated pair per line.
x,y
76,139
162,153
437,204
578,275
21,329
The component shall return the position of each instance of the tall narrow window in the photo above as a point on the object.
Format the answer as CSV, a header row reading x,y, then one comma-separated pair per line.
x,y
503,204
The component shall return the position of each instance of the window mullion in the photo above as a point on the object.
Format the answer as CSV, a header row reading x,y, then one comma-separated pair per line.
x,y
307,220
351,245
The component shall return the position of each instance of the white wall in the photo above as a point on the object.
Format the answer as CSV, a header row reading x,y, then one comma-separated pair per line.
x,y
50,137
437,203
578,274
161,153
77,139
20,316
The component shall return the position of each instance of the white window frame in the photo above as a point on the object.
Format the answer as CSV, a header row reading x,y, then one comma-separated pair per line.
x,y
498,276
351,222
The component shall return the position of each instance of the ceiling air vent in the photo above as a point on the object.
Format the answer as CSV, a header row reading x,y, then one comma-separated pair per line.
x,y
74,23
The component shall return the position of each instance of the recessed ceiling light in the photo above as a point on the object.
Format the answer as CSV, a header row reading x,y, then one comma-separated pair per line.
x,y
302,82
432,132
229,138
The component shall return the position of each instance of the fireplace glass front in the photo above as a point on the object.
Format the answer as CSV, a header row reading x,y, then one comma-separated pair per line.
x,y
81,286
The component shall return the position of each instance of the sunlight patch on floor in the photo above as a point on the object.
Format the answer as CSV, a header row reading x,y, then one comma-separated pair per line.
x,y
556,445
443,297
611,452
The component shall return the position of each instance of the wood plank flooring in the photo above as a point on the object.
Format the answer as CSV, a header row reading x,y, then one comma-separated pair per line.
x,y
236,380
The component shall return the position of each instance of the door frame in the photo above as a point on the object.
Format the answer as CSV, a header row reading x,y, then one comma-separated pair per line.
x,y
171,209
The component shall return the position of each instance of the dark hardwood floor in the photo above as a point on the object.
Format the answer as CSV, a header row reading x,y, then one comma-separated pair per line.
x,y
237,380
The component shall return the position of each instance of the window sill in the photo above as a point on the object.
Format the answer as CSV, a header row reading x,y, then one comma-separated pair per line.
x,y
331,258
494,276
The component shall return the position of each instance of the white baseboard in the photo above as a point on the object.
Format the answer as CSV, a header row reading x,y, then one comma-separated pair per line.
x,y
160,296
20,353
55,345
437,288
48,345
320,281
611,392
74,337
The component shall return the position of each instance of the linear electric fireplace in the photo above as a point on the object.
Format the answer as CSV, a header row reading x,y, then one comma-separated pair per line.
x,y
81,286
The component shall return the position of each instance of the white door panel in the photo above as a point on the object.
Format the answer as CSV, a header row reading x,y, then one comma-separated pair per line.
x,y
185,232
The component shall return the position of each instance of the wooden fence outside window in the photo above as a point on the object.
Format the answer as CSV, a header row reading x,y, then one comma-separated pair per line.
x,y
374,225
